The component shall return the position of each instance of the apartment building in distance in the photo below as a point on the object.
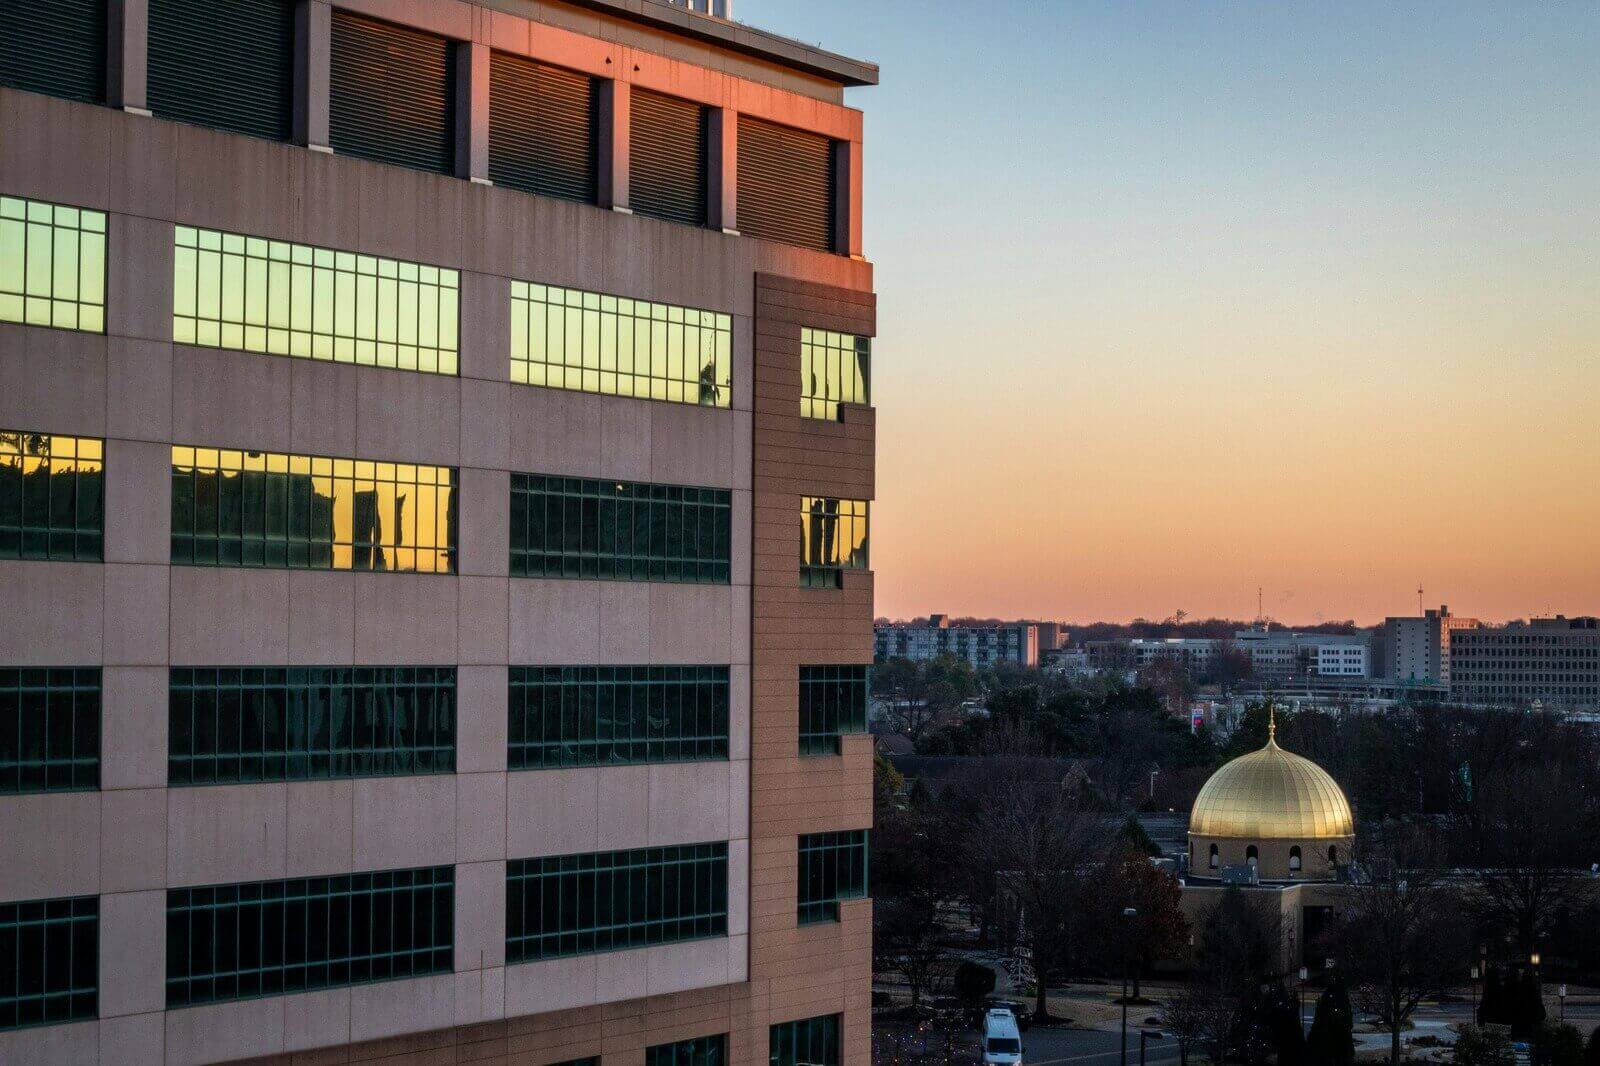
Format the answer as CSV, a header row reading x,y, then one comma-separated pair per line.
x,y
984,645
1418,648
1552,661
435,476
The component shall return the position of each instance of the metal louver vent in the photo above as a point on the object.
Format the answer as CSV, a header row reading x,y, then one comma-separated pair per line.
x,y
54,46
392,94
223,63
786,184
542,128
667,158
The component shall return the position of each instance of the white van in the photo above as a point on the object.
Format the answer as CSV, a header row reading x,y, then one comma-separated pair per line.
x,y
1002,1040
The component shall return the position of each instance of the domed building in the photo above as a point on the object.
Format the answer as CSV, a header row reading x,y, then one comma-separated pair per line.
x,y
1274,813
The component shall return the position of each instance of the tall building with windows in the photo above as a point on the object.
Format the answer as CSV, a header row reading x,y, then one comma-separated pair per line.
x,y
1418,648
1552,661
435,480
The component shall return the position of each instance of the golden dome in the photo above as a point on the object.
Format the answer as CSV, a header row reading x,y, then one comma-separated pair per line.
x,y
1271,794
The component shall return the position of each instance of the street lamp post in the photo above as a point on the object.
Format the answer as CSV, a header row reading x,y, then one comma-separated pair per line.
x,y
1300,999
1476,973
1562,994
1538,979
1128,914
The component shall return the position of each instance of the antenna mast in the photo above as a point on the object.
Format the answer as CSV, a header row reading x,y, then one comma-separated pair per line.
x,y
1420,609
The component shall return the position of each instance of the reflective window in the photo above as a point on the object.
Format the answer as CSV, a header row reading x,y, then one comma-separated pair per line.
x,y
807,1042
233,508
52,265
49,961
305,723
52,496
569,339
612,715
701,1051
49,730
259,295
619,531
267,938
610,900
833,539
833,701
833,867
835,368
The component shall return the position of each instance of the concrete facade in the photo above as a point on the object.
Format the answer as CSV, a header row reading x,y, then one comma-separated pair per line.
x,y
1548,662
135,615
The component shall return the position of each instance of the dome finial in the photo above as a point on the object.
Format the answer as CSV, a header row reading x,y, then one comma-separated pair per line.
x,y
1272,724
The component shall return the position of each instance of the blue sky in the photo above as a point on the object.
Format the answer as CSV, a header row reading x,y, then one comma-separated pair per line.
x,y
1177,300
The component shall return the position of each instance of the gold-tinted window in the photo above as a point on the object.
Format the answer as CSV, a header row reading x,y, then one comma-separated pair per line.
x,y
52,265
258,295
833,539
52,496
569,339
233,508
835,368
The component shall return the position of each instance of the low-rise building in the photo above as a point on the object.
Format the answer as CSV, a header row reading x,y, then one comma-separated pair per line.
x,y
1281,654
1554,661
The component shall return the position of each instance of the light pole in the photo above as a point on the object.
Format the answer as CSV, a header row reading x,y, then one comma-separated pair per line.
x,y
1300,999
1476,973
1538,979
1562,994
1128,915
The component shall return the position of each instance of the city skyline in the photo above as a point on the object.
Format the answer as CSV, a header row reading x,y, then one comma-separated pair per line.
x,y
1244,312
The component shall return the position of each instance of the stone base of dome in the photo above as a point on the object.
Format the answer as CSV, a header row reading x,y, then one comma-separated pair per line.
x,y
1275,860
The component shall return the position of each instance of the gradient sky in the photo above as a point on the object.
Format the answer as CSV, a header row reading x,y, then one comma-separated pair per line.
x,y
1178,300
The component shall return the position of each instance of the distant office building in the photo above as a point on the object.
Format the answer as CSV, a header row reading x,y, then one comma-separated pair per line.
x,y
1281,654
1552,660
1195,653
1418,649
1017,642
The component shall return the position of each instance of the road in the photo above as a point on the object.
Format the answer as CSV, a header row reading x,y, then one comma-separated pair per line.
x,y
1091,1046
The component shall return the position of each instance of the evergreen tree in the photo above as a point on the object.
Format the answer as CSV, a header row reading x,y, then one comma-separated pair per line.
x,y
1278,1024
1527,1005
1591,1055
1332,1040
1494,1010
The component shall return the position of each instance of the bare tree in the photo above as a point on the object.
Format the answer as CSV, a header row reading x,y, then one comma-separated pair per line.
x,y
1198,1015
1402,932
906,938
1534,835
1044,846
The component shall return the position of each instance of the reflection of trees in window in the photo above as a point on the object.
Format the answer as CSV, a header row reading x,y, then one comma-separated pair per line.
x,y
52,496
835,368
832,867
833,538
232,508
833,701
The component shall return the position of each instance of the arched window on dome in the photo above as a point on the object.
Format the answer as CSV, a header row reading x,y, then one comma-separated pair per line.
x,y
1213,856
1333,855
1294,859
1252,857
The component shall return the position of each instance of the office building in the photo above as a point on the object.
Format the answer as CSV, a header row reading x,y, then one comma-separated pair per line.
x,y
1418,648
1552,661
435,476
1281,654
982,645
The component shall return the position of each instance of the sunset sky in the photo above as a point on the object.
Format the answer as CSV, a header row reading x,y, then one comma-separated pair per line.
x,y
1178,300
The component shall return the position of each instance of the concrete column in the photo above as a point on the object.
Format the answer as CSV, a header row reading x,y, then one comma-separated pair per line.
x,y
722,170
127,31
313,48
615,116
472,112
847,190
